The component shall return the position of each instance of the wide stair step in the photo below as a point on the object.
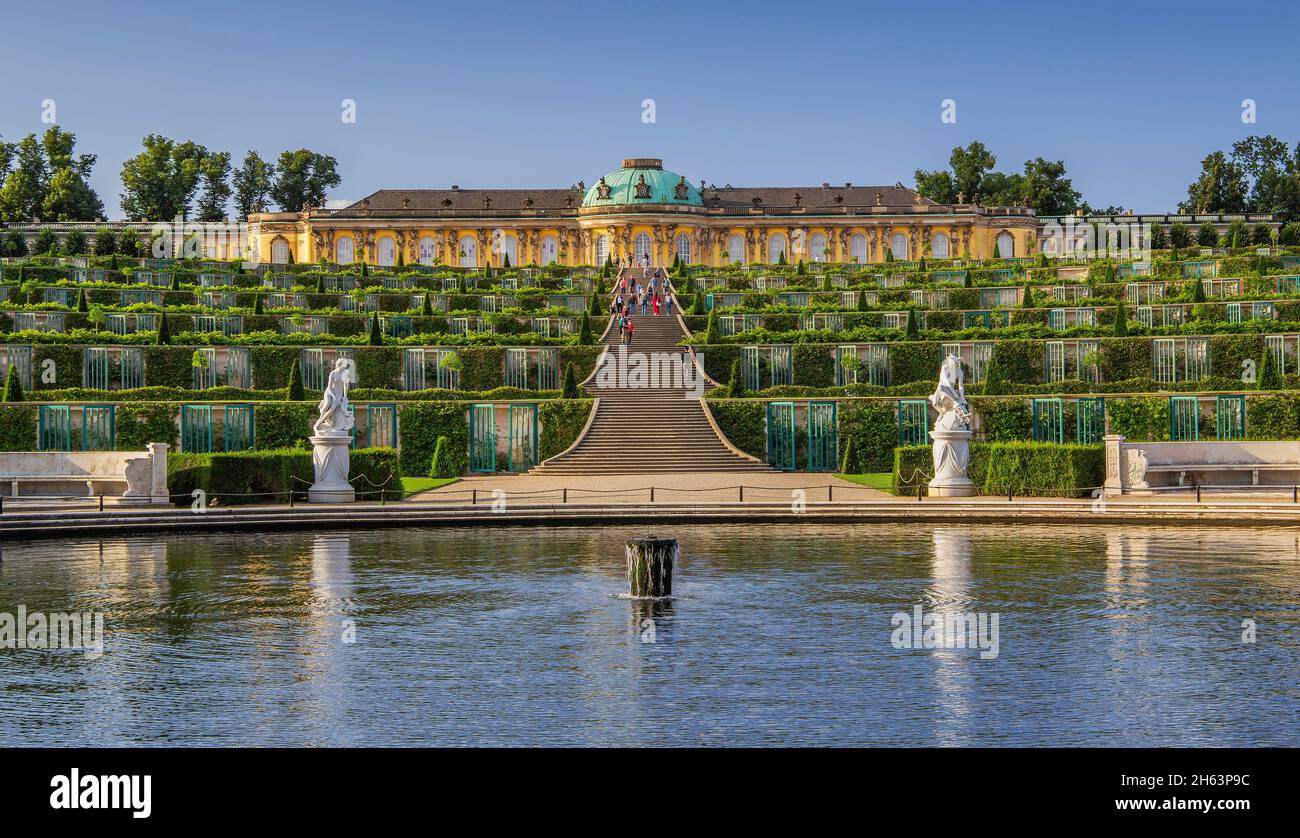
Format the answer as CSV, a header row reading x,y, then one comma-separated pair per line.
x,y
648,430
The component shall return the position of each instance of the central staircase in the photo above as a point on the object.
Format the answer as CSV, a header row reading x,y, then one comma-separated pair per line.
x,y
642,430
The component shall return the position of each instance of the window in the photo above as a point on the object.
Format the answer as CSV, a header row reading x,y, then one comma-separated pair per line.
x,y
509,251
602,249
939,246
427,250
684,248
468,252
344,251
775,247
817,248
641,247
550,250
736,249
279,252
898,246
1006,246
386,252
858,249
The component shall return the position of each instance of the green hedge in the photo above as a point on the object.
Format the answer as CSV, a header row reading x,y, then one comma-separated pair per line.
x,y
268,476
1037,469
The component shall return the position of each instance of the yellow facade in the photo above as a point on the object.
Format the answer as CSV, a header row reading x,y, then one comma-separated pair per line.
x,y
666,217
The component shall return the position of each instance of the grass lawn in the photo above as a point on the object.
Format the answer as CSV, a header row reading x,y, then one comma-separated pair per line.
x,y
411,485
882,480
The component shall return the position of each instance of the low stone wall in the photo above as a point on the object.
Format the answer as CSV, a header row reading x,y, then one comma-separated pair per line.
x,y
1148,467
126,476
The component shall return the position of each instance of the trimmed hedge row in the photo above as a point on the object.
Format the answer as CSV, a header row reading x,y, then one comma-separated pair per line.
x,y
379,368
268,476
1035,469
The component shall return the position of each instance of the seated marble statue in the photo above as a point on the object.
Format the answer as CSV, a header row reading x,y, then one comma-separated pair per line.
x,y
335,414
949,397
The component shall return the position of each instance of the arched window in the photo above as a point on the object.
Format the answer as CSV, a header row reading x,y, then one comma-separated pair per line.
x,y
684,248
386,252
817,248
858,249
428,250
345,250
775,247
1006,246
469,252
736,250
279,252
602,249
939,245
510,250
898,246
641,247
550,250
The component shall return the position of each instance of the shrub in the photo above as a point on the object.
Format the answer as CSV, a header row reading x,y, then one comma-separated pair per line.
x,y
570,383
268,476
440,467
1036,469
13,391
295,391
1269,379
164,332
1207,235
376,338
850,464
736,387
584,329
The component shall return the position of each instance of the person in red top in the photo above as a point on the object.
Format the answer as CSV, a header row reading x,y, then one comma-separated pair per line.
x,y
655,302
631,329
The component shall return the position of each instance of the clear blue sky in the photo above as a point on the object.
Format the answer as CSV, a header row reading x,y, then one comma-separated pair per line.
x,y
1130,95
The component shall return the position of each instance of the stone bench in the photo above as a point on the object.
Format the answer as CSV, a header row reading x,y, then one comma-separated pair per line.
x,y
126,476
1147,467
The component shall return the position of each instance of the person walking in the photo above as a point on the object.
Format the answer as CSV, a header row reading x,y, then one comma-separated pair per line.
x,y
668,304
631,330
655,302
644,304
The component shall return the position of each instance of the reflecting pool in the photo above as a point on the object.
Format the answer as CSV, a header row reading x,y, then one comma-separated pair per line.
x,y
776,635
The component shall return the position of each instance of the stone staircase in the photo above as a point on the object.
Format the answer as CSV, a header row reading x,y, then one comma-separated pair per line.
x,y
644,430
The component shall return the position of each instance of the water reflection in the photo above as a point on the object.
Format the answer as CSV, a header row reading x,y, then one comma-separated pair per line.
x,y
778,635
950,596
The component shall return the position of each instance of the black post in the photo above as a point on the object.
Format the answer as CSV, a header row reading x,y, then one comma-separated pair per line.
x,y
2,504
1010,494
1294,497
101,501
1198,492
475,498
918,491
652,494
742,492
291,498
383,497
566,494
830,493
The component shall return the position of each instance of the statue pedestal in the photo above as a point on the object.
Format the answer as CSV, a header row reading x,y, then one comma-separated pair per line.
x,y
951,459
330,458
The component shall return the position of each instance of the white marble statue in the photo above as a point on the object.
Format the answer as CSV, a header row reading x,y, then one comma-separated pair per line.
x,y
950,438
949,397
335,413
331,437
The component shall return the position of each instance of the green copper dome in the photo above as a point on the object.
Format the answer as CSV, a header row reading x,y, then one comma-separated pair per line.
x,y
641,181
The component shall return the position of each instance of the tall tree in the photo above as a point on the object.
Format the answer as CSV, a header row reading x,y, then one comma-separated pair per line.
x,y
1046,188
252,184
937,186
969,166
1220,188
303,178
159,183
24,188
214,175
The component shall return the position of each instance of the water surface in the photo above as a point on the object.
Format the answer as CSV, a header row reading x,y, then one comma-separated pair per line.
x,y
778,635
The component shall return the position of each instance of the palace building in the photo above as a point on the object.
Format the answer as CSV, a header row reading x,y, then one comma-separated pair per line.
x,y
643,210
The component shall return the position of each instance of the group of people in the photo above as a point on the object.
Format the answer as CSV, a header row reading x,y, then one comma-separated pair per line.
x,y
656,296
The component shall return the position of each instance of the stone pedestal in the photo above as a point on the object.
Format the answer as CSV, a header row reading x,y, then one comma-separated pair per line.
x,y
951,459
330,458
